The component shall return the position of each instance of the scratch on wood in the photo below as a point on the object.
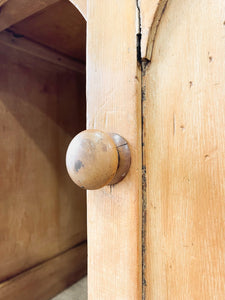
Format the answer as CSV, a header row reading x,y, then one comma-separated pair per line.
x,y
174,124
144,181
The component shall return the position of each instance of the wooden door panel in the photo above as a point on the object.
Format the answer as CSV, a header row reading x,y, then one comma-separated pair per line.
x,y
184,137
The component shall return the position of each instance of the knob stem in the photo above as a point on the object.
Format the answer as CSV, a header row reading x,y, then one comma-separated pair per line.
x,y
124,158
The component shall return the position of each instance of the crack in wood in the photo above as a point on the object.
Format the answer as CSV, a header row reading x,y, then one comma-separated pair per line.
x,y
145,61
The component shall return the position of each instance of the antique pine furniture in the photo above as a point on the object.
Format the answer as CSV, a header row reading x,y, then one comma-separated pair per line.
x,y
155,76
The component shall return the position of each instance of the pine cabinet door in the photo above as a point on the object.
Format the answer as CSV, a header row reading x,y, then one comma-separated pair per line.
x,y
184,146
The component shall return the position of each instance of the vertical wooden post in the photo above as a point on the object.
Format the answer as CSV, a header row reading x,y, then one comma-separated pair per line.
x,y
114,105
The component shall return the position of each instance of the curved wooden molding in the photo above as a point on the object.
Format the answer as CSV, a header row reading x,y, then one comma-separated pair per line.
x,y
81,5
150,14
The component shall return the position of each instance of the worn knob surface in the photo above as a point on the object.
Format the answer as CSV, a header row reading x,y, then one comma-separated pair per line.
x,y
95,159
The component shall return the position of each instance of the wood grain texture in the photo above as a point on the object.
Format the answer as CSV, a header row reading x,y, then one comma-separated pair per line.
x,y
113,105
42,213
61,27
16,10
49,278
184,117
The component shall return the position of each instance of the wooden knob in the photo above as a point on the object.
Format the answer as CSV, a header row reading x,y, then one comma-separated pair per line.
x,y
95,159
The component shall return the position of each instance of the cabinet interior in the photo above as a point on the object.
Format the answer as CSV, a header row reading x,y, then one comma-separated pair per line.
x,y
42,107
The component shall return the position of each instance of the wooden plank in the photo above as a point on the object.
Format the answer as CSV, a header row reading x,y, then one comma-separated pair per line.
x,y
49,278
40,52
42,213
81,5
16,10
60,27
113,105
184,138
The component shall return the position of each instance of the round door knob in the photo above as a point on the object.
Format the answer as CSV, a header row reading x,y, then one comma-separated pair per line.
x,y
95,159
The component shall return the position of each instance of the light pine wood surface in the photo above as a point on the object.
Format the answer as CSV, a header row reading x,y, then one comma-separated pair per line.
x,y
184,145
113,105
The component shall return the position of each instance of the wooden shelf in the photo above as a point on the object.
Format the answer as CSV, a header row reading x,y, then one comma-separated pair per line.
x,y
60,27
